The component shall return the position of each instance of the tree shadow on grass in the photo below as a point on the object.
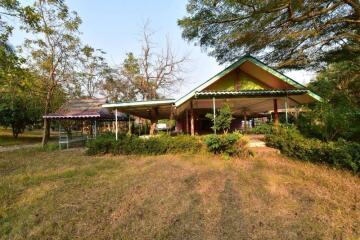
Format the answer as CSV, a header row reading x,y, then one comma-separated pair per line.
x,y
190,223
231,219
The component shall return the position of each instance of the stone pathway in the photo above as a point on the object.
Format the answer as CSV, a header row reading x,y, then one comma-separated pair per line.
x,y
257,143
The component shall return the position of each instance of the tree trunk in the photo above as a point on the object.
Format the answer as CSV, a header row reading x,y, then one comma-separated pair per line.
x,y
153,126
46,130
15,132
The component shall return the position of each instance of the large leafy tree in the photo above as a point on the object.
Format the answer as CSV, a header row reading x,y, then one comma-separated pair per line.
x,y
19,112
121,84
18,108
338,115
286,33
53,50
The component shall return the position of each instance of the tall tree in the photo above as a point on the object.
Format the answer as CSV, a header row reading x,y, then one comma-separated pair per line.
x,y
53,50
149,75
121,84
93,70
18,108
161,71
286,33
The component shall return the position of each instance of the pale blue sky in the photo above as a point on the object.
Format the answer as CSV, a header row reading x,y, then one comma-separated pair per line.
x,y
115,27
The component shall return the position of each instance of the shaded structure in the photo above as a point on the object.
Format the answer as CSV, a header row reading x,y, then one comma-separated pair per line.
x,y
253,90
88,113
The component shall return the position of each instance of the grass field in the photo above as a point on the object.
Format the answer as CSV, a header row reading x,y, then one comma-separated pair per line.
x,y
68,195
28,137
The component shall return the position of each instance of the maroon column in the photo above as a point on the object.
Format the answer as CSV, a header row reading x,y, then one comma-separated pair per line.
x,y
276,114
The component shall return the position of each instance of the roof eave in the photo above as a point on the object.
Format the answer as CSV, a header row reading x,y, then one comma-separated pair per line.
x,y
139,104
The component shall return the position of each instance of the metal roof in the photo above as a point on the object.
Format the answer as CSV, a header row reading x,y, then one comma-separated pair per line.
x,y
233,66
251,93
85,108
140,103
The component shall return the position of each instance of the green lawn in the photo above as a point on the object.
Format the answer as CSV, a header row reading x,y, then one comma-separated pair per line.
x,y
28,137
68,195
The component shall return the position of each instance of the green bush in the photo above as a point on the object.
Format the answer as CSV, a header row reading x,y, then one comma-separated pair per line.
x,y
340,153
131,144
231,144
262,129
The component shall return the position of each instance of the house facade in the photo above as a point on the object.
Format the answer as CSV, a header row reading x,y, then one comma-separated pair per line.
x,y
251,89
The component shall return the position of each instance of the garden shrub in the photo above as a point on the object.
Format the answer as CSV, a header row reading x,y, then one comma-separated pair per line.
x,y
340,153
262,129
132,144
231,144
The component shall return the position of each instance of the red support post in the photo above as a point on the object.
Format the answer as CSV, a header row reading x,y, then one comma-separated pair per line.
x,y
276,114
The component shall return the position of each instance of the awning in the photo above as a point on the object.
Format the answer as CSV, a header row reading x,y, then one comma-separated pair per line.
x,y
146,109
85,109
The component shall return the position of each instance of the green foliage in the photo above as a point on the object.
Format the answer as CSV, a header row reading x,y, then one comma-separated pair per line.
x,y
284,29
222,119
17,113
263,129
93,71
124,85
340,80
338,115
330,122
10,9
18,108
132,144
340,153
230,144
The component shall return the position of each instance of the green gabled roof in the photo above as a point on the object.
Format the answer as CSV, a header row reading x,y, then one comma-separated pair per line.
x,y
251,93
233,66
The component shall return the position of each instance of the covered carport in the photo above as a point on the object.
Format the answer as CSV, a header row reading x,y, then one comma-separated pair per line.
x,y
152,110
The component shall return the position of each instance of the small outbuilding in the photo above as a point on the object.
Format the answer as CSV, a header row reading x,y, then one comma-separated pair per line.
x,y
83,118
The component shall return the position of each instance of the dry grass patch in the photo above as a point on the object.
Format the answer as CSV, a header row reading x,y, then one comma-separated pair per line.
x,y
67,195
28,137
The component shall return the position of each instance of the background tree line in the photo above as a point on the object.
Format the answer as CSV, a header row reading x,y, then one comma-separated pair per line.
x,y
54,64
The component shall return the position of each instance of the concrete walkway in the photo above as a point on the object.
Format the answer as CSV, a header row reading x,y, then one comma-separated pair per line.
x,y
257,143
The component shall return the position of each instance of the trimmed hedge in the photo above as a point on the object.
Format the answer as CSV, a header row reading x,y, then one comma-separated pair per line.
x,y
231,144
131,144
341,153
